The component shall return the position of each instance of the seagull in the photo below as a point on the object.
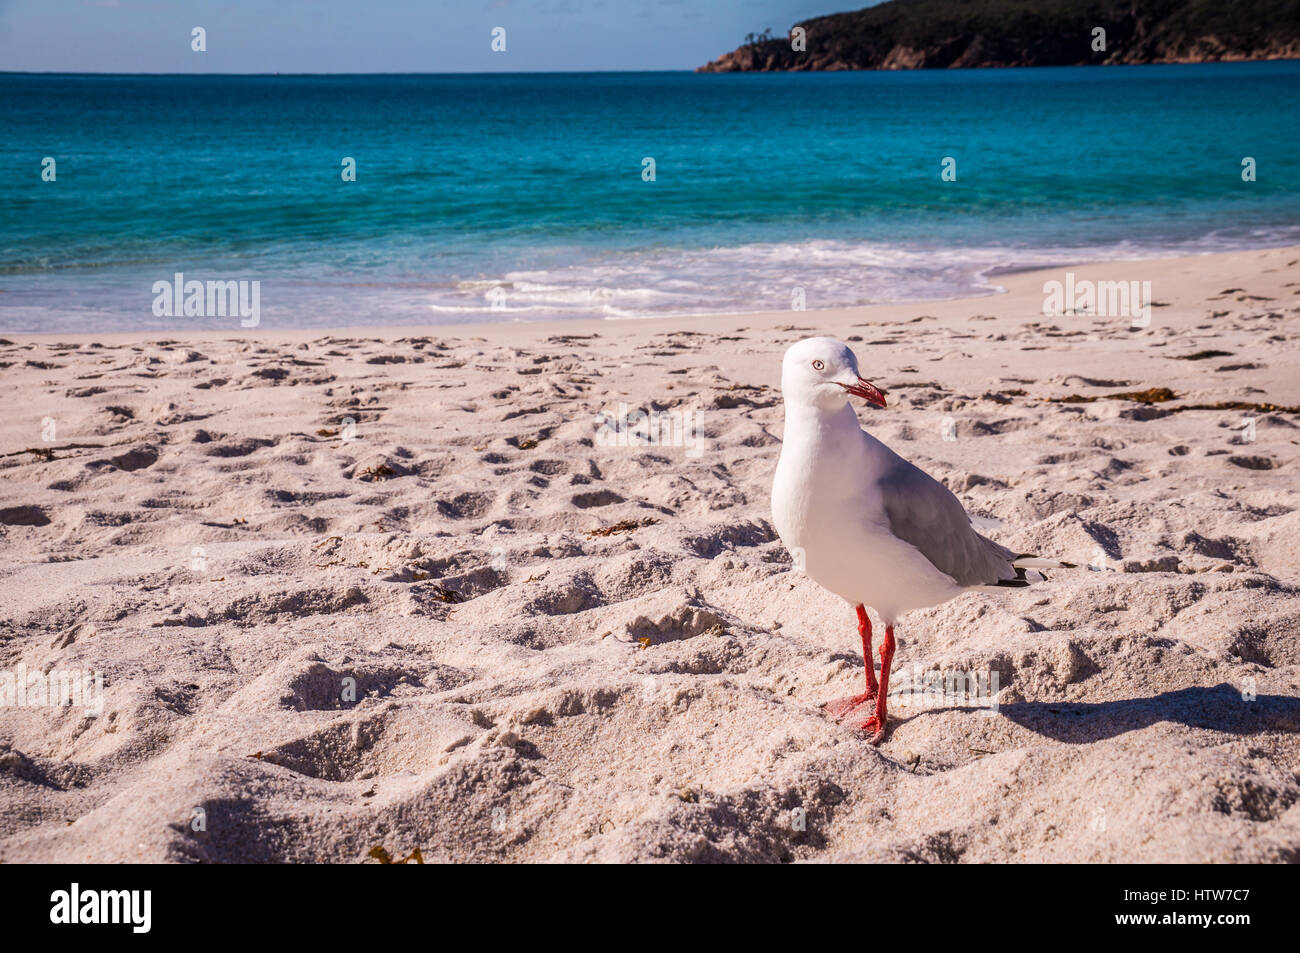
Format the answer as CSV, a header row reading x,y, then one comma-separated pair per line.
x,y
866,524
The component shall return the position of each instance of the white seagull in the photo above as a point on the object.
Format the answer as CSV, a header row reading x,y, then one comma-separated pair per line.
x,y
866,524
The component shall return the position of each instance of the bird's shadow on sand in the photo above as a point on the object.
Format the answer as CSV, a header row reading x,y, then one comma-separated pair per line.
x,y
1220,708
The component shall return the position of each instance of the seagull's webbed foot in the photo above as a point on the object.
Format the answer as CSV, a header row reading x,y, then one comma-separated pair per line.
x,y
874,728
842,708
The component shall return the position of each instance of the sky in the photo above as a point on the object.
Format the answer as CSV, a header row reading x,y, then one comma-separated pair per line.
x,y
372,36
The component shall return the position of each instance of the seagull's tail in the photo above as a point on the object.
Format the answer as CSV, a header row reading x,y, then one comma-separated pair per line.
x,y
1028,561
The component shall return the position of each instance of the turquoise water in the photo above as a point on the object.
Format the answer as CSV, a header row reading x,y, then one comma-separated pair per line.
x,y
532,184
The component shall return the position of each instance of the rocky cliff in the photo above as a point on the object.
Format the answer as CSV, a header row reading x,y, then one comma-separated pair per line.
x,y
939,34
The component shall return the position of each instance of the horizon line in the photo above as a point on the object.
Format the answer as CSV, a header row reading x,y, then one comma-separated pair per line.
x,y
24,72
690,70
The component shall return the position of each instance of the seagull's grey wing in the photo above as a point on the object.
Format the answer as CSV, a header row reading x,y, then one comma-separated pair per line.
x,y
923,512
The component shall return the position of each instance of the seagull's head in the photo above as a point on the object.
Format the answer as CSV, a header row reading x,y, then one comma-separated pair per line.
x,y
823,372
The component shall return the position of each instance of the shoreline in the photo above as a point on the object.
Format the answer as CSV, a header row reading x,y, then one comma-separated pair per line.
x,y
1019,288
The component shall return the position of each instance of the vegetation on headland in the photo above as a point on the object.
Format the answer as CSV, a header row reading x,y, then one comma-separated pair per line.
x,y
940,34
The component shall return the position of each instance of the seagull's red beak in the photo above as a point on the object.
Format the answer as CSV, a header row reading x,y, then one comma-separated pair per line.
x,y
867,391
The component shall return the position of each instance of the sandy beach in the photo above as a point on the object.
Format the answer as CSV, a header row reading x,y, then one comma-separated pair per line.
x,y
355,594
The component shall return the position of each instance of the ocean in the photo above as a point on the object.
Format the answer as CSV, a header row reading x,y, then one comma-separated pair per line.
x,y
510,196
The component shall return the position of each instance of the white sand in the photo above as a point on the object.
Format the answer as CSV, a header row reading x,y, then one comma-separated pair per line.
x,y
653,694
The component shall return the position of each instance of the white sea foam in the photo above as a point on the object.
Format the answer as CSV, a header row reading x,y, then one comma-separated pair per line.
x,y
609,284
770,276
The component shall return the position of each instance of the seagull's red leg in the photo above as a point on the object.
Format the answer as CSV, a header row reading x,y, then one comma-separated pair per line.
x,y
842,707
875,725
864,630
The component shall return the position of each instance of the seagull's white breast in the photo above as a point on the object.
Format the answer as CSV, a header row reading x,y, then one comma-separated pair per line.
x,y
828,510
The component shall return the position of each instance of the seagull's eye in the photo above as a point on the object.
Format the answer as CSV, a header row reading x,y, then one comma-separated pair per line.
x,y
818,366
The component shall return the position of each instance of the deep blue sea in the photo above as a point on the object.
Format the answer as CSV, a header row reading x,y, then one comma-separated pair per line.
x,y
503,197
